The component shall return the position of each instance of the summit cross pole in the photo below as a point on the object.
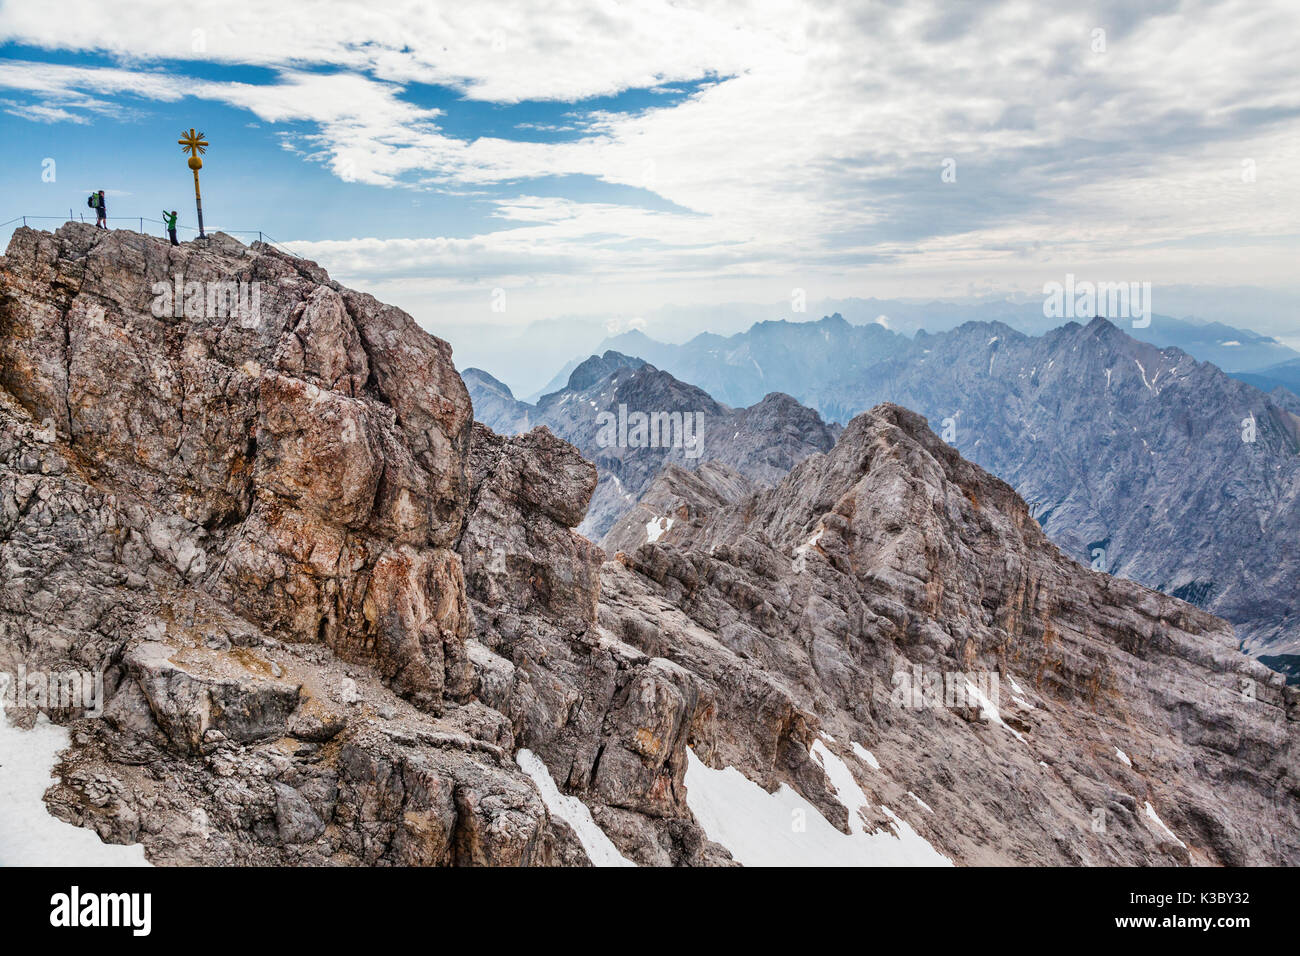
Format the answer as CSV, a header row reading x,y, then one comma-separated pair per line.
x,y
195,145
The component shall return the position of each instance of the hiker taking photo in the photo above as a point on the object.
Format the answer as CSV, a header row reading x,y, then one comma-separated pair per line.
x,y
169,220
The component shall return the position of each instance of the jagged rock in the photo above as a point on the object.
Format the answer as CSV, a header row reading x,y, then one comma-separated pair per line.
x,y
305,464
248,523
328,611
295,819
518,549
798,608
189,704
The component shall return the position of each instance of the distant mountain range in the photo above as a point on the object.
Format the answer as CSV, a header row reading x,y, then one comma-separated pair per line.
x,y
1139,460
524,356
1284,375
738,368
597,411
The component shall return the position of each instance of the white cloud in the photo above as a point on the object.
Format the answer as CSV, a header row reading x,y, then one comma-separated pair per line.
x,y
39,113
814,154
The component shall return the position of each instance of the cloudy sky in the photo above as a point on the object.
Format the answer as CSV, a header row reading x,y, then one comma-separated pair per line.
x,y
592,157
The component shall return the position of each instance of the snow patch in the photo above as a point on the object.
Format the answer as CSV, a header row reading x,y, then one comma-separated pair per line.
x,y
1155,818
1144,377
1123,758
784,829
988,711
923,804
29,834
655,527
862,753
801,552
600,848
846,787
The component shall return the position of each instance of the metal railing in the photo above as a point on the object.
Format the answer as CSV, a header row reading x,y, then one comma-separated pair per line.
x,y
141,220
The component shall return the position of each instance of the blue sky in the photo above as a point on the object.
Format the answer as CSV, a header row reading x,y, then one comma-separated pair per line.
x,y
614,159
262,176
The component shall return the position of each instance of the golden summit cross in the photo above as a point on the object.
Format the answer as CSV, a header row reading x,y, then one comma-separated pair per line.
x,y
194,144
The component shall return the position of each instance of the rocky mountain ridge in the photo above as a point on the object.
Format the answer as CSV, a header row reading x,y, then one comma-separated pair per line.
x,y
341,623
1136,458
597,410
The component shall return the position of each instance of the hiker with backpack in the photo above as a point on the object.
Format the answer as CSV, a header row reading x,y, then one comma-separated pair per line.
x,y
169,220
96,202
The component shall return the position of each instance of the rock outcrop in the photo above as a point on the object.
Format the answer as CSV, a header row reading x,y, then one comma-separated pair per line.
x,y
249,522
338,622
805,610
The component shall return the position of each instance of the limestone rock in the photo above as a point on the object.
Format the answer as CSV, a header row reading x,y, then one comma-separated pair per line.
x,y
328,610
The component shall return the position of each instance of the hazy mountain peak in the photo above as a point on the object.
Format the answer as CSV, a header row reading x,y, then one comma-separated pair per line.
x,y
599,366
488,381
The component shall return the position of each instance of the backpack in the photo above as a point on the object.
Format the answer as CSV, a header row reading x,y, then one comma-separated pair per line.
x,y
90,200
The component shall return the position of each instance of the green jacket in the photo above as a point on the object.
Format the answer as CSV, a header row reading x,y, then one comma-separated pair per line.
x,y
169,219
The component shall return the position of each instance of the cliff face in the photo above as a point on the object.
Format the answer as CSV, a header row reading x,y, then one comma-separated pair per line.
x,y
1162,468
1123,715
1171,472
339,622
251,524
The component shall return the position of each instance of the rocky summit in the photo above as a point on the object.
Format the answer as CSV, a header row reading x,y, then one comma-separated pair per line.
x,y
633,420
340,622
